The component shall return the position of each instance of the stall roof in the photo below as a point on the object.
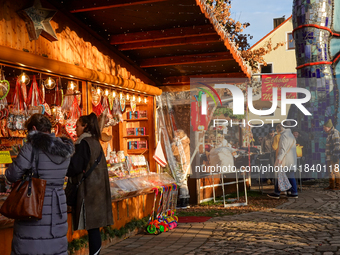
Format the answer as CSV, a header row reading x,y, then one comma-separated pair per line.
x,y
172,40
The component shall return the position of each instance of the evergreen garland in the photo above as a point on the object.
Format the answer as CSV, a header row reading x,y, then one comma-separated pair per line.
x,y
108,232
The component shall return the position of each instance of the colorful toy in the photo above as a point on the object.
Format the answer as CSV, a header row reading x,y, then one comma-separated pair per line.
x,y
165,218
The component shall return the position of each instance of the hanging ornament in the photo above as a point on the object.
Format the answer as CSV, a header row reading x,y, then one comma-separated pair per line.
x,y
113,94
133,98
106,92
72,86
38,20
78,96
49,83
95,97
133,106
111,100
41,89
139,99
4,86
127,96
99,91
24,78
145,100
122,104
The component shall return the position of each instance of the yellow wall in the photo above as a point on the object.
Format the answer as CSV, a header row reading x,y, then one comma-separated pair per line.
x,y
282,59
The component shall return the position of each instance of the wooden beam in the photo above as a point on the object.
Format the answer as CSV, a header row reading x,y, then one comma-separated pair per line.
x,y
171,33
169,42
39,63
185,80
102,5
186,59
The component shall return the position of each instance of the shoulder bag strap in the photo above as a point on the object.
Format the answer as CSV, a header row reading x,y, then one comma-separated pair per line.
x,y
95,164
34,161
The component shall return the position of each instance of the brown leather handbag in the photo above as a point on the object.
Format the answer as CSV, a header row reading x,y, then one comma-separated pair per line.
x,y
25,202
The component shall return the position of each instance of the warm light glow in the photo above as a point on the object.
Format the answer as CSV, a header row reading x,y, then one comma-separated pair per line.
x,y
49,83
98,91
72,85
106,92
24,78
139,99
145,100
113,94
127,97
133,98
121,94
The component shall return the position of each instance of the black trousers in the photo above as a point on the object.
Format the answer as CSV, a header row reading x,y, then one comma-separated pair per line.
x,y
95,241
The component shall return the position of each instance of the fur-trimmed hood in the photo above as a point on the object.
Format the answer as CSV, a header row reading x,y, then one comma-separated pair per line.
x,y
57,148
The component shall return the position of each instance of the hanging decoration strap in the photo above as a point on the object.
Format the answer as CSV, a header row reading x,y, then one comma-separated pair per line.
x,y
17,100
42,92
57,100
34,98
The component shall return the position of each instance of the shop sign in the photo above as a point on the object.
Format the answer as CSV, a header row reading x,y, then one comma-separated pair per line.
x,y
278,81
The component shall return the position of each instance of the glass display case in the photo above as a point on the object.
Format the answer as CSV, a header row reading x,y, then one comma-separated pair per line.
x,y
119,170
124,187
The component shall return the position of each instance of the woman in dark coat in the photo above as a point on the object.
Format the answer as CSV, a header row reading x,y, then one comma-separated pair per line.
x,y
48,235
93,209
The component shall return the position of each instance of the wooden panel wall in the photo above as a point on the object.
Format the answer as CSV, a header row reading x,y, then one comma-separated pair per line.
x,y
74,45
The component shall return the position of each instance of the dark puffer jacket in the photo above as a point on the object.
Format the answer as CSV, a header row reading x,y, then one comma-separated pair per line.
x,y
48,235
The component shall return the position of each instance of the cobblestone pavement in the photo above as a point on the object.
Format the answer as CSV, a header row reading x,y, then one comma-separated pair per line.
x,y
307,225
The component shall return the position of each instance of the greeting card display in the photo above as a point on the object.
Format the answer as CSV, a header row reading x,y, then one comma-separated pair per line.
x,y
140,131
132,115
142,145
142,115
133,145
130,131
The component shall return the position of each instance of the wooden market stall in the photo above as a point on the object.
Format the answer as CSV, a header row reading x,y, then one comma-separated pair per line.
x,y
140,48
79,64
173,41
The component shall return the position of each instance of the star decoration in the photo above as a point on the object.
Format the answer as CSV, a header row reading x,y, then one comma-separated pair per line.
x,y
38,20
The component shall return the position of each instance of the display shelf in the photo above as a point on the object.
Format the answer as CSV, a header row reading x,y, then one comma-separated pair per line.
x,y
148,122
137,151
132,120
136,136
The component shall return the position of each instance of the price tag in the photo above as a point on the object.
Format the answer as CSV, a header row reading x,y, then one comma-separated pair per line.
x,y
5,157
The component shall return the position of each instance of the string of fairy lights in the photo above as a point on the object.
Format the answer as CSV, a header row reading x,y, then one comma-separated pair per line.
x,y
135,97
50,83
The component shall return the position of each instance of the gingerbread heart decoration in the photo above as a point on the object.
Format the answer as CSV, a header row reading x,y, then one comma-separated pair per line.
x,y
4,88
